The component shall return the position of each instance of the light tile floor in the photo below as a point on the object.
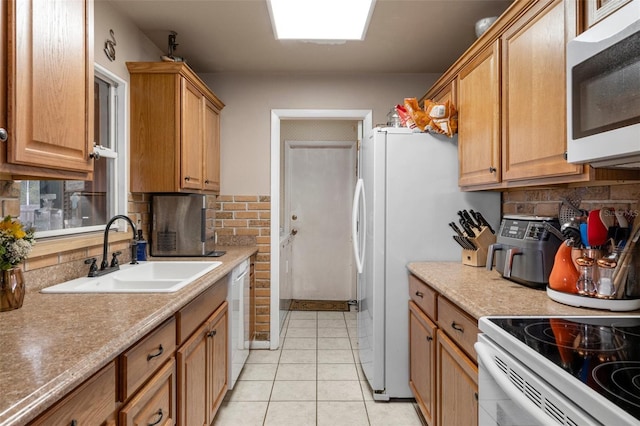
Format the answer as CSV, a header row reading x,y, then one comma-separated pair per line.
x,y
314,379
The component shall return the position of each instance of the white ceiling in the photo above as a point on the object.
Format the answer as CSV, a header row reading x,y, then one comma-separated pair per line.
x,y
404,36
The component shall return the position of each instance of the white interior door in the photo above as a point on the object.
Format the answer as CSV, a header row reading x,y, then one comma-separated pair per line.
x,y
319,187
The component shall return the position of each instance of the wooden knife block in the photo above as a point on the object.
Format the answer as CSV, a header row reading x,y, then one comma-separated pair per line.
x,y
482,241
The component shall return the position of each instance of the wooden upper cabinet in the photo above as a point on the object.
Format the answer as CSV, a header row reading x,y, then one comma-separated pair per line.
x,y
479,119
211,147
449,92
192,143
175,136
534,135
48,59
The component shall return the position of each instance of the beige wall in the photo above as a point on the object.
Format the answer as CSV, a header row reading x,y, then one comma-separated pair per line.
x,y
131,44
246,120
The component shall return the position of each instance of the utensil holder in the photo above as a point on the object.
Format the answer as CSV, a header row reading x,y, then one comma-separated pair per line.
x,y
482,241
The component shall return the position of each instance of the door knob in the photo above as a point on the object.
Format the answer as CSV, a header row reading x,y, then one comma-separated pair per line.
x,y
294,231
294,217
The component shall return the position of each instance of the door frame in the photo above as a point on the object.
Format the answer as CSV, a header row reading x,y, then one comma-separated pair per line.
x,y
366,116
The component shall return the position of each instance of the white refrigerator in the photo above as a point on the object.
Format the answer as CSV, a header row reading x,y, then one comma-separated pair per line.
x,y
406,195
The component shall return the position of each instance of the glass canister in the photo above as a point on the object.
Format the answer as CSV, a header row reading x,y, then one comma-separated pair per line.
x,y
393,119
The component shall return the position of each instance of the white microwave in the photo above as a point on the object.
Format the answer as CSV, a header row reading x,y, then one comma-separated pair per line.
x,y
603,92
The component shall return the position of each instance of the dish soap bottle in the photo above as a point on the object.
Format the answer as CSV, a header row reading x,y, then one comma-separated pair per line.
x,y
141,247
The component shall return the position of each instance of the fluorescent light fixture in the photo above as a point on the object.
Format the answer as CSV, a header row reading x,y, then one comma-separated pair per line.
x,y
320,19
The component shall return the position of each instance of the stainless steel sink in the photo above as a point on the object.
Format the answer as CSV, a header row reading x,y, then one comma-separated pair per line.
x,y
147,277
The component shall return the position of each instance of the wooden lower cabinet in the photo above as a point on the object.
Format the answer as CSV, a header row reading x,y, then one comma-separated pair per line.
x,y
457,389
202,370
155,403
422,361
92,403
443,374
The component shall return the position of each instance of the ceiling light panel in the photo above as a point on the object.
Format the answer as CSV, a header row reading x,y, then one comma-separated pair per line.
x,y
320,19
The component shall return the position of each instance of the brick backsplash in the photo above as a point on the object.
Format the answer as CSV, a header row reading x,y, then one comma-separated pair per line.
x,y
246,220
547,201
239,220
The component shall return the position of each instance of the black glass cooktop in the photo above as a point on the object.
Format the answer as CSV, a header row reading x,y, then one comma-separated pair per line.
x,y
602,352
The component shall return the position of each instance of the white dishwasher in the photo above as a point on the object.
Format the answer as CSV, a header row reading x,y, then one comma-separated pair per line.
x,y
238,298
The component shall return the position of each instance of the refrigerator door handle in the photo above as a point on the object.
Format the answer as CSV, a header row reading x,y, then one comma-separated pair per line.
x,y
355,235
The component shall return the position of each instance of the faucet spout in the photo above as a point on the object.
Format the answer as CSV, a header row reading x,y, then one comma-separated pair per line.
x,y
104,266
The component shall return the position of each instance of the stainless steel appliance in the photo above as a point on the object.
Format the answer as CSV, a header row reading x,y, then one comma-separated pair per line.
x,y
406,195
559,371
525,250
603,92
179,225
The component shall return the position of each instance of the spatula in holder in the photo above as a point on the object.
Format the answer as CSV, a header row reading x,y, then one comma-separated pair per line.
x,y
482,241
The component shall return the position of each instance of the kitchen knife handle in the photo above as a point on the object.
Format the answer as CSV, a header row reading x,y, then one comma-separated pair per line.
x,y
456,229
470,220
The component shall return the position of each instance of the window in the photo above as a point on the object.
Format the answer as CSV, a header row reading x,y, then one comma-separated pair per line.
x,y
56,207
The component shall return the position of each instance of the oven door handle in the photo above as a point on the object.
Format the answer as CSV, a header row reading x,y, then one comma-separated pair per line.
x,y
485,357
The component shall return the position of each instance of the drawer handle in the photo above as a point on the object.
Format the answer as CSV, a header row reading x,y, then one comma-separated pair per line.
x,y
211,333
419,294
160,351
457,327
160,415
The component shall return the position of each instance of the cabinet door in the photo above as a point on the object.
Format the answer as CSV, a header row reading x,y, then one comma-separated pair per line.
x,y
534,95
479,119
211,155
217,361
191,136
192,379
50,89
154,403
422,361
202,370
457,385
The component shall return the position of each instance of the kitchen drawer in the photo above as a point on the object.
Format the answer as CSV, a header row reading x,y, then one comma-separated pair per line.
x,y
155,403
423,296
143,359
198,310
90,404
458,325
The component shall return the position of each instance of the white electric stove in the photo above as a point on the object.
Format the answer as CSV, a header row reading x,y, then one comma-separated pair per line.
x,y
559,370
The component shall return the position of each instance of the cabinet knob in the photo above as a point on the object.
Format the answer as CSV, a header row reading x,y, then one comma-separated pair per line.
x,y
211,333
429,339
207,181
419,294
492,170
4,135
187,178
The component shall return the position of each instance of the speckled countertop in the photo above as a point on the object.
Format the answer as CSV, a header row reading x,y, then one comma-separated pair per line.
x,y
480,292
56,341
